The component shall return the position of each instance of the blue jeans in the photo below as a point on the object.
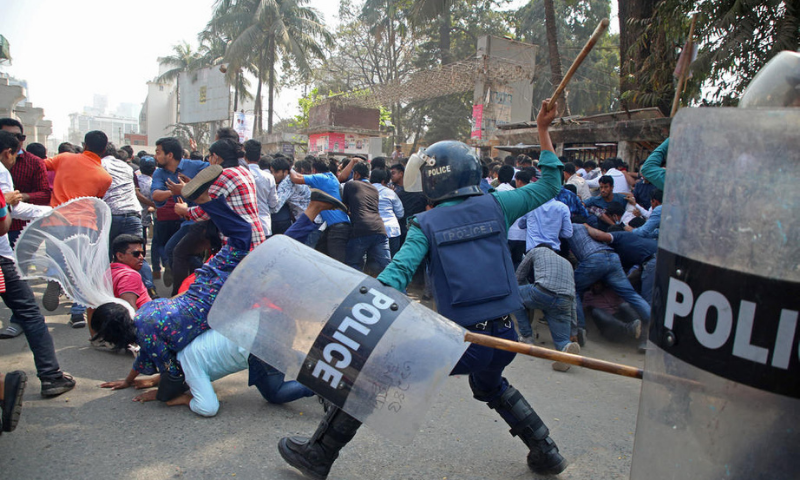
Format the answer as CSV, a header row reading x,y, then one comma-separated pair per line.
x,y
270,383
169,245
606,267
19,298
648,280
375,247
558,311
163,230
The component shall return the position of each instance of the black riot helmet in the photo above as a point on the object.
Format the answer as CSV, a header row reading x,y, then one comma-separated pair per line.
x,y
447,169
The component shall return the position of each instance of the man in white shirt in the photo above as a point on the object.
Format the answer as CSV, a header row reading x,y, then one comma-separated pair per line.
x,y
389,207
572,178
18,296
621,183
266,190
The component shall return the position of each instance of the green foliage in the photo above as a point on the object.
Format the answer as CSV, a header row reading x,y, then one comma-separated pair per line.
x,y
736,38
305,103
594,88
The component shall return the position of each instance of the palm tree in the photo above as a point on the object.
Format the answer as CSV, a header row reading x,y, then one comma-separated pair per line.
x,y
213,45
183,60
428,10
268,31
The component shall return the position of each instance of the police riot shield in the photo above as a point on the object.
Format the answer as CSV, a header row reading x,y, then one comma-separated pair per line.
x,y
69,245
721,388
365,347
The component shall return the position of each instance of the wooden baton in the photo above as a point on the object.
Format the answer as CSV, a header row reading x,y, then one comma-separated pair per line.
x,y
598,32
539,352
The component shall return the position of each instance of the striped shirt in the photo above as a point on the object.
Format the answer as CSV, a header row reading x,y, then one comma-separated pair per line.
x,y
582,245
121,195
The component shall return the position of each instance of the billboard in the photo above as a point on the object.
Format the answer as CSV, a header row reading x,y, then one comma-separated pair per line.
x,y
204,95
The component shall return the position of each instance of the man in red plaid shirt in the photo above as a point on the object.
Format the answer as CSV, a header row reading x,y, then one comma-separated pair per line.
x,y
29,174
235,184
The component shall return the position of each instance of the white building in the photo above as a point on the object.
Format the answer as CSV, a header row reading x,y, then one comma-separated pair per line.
x,y
159,110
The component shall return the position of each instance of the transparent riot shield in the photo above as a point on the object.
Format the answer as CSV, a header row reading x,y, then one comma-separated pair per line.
x,y
721,389
365,347
69,245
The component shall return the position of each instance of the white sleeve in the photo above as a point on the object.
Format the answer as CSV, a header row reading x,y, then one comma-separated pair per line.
x,y
28,211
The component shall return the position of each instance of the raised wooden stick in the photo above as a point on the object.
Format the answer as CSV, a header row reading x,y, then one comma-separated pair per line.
x,y
687,59
598,32
539,352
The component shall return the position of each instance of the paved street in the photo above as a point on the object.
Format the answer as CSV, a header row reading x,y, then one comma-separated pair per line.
x,y
93,432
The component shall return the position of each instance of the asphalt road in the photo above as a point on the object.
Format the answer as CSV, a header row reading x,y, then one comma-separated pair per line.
x,y
93,432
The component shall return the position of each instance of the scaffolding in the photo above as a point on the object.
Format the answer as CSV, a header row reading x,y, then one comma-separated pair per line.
x,y
437,82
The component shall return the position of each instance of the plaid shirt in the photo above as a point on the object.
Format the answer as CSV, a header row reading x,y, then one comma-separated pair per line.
x,y
237,187
30,176
544,267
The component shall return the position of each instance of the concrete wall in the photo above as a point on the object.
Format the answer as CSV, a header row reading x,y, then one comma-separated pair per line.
x,y
507,103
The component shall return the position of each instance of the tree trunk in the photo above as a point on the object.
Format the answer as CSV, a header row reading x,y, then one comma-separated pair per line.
x,y
631,12
258,106
236,92
444,36
555,58
271,93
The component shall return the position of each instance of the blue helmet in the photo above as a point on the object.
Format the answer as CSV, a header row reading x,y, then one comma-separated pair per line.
x,y
449,169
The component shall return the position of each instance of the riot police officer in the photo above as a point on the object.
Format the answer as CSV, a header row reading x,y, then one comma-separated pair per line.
x,y
464,225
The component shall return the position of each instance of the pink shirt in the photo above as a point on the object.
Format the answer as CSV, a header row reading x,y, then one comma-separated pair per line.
x,y
128,280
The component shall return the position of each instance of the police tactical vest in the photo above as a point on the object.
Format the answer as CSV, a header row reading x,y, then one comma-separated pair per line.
x,y
471,269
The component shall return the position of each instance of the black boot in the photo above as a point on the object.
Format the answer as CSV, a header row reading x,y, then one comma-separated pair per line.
x,y
543,457
315,456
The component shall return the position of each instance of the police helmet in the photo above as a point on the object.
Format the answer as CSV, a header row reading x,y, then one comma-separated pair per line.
x,y
447,169
777,84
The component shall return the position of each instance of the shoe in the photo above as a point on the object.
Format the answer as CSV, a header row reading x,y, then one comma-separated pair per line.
x,y
526,339
77,320
642,348
153,293
57,386
572,348
12,400
200,183
582,337
11,331
634,329
315,456
50,298
167,277
102,345
320,196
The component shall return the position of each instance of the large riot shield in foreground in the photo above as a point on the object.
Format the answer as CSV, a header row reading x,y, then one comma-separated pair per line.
x,y
721,388
365,347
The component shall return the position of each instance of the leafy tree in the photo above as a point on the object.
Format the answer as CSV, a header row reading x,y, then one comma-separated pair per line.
x,y
736,38
267,32
182,60
593,89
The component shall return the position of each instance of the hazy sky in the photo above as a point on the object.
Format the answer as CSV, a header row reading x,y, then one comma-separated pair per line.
x,y
69,50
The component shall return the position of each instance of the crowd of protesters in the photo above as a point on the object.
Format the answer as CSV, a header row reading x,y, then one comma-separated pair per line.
x,y
585,253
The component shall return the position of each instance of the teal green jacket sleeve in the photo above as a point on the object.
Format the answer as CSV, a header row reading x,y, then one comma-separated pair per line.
x,y
518,202
405,262
652,169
